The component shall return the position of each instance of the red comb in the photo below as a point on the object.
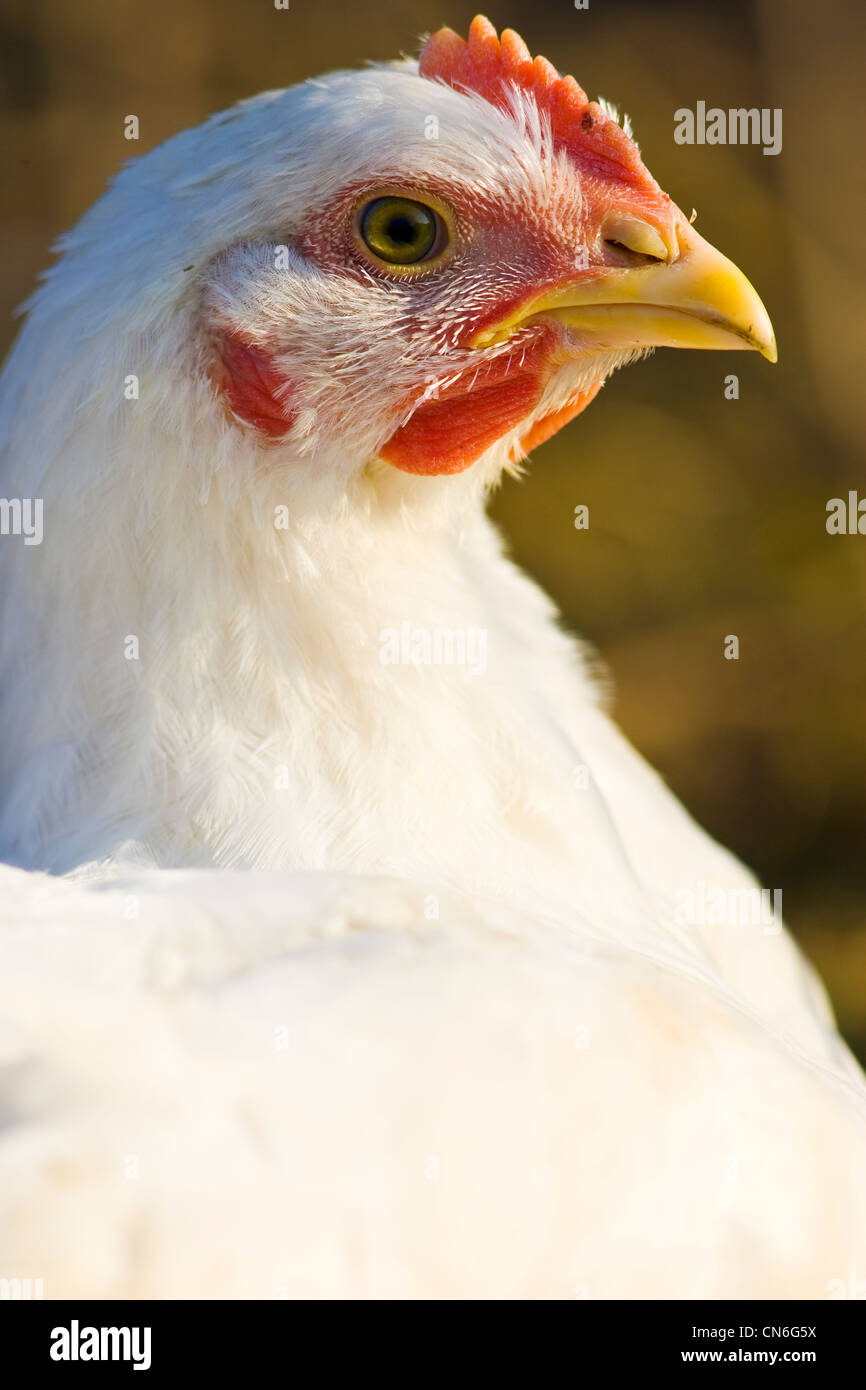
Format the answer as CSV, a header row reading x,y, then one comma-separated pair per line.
x,y
490,66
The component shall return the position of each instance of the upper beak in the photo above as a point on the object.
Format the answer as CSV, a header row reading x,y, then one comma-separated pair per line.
x,y
696,299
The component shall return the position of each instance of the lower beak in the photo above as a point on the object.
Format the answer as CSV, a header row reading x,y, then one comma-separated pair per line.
x,y
698,300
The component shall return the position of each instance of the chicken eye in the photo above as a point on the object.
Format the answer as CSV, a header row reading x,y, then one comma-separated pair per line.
x,y
401,231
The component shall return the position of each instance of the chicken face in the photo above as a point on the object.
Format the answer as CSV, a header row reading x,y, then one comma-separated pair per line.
x,y
465,287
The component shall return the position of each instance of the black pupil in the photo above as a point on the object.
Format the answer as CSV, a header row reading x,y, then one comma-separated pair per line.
x,y
398,230
402,230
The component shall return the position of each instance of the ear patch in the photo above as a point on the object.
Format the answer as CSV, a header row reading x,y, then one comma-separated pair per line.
x,y
255,391
491,66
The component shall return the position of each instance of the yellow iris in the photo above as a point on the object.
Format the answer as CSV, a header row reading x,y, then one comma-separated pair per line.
x,y
401,231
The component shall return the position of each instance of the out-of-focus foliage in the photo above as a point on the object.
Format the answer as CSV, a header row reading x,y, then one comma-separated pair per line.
x,y
707,516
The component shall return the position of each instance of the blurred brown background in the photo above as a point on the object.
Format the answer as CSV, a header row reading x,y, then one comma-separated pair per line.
x,y
707,515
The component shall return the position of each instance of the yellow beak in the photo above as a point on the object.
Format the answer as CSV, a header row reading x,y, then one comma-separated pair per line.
x,y
697,300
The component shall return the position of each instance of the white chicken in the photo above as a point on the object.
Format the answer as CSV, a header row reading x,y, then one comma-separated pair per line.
x,y
342,934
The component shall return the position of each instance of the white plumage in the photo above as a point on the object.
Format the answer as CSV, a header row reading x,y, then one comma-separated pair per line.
x,y
353,985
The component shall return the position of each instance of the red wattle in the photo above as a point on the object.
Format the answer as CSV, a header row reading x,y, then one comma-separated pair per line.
x,y
448,434
549,424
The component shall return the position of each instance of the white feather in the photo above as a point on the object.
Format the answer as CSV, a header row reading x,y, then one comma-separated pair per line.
x,y
478,961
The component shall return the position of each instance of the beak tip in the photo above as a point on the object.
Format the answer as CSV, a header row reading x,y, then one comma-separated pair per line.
x,y
759,333
764,342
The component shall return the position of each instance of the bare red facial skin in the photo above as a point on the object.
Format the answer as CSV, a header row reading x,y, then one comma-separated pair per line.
x,y
451,432
548,425
448,434
254,389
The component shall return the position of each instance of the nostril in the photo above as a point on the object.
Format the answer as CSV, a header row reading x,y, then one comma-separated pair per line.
x,y
636,237
631,256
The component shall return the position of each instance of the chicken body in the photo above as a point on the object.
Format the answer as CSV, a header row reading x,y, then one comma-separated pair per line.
x,y
271,630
